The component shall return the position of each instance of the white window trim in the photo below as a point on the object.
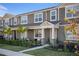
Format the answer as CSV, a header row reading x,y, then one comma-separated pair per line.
x,y
34,34
26,19
15,20
58,14
6,21
1,23
35,17
55,15
66,12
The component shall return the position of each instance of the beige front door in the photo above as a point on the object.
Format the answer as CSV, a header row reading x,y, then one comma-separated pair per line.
x,y
47,35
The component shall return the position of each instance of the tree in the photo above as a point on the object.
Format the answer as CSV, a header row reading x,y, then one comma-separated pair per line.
x,y
7,30
72,23
21,29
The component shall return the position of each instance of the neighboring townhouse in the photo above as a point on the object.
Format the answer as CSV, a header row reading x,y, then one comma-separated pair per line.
x,y
45,25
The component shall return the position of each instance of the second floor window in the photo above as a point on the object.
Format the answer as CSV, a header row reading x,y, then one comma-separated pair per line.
x,y
53,15
1,22
38,18
74,8
6,21
15,22
24,20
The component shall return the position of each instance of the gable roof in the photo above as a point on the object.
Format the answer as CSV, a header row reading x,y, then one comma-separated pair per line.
x,y
7,15
46,23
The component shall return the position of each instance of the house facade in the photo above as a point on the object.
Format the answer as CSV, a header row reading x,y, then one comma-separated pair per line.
x,y
46,25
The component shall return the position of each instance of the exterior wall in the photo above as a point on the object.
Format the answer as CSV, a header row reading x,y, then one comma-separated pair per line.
x,y
47,33
46,16
61,33
30,34
30,18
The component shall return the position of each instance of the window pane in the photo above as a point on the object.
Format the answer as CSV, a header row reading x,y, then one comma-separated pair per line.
x,y
36,20
23,19
67,10
53,17
40,19
69,15
76,8
53,13
38,33
40,15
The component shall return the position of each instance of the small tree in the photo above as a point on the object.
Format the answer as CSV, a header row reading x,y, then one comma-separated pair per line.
x,y
21,29
72,23
7,30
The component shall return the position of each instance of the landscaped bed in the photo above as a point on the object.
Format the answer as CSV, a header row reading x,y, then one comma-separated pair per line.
x,y
11,47
48,51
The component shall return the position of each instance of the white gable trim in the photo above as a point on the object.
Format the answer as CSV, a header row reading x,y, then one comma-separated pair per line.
x,y
47,24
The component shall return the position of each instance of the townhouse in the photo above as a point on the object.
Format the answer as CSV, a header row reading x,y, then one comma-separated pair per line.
x,y
46,25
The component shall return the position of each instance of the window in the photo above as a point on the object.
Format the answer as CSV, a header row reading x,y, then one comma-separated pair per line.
x,y
70,36
53,15
15,22
76,8
24,20
6,21
38,18
37,33
72,7
1,22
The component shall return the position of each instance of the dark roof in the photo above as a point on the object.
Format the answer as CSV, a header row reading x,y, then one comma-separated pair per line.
x,y
7,15
34,24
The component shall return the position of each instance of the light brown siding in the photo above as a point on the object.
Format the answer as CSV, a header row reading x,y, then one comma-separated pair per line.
x,y
44,16
61,33
48,15
61,14
31,18
30,34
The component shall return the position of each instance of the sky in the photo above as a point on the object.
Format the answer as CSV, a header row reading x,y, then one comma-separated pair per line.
x,y
18,8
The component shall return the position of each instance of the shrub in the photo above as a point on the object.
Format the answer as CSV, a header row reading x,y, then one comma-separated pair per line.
x,y
22,42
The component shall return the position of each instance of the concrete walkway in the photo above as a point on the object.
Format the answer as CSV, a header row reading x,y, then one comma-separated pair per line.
x,y
12,53
35,48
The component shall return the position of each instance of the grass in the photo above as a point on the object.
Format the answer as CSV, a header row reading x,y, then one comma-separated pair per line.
x,y
49,52
13,48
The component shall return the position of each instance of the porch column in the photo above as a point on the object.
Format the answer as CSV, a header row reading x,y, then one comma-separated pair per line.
x,y
53,33
43,36
52,40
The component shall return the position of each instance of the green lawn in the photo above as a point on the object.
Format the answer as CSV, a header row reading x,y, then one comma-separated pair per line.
x,y
13,48
49,52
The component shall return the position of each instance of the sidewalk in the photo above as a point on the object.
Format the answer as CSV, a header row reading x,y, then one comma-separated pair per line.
x,y
12,53
35,48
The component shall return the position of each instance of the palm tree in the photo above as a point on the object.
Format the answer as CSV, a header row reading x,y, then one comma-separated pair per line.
x,y
21,29
7,30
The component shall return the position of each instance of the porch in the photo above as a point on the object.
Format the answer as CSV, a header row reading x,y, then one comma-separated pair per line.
x,y
46,32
